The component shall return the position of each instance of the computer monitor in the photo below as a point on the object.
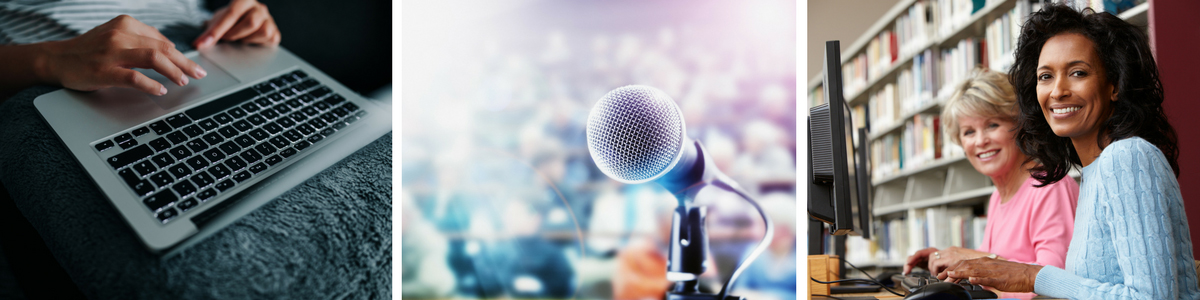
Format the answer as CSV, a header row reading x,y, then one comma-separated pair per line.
x,y
838,180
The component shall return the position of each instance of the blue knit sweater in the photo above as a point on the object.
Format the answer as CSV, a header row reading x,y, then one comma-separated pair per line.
x,y
1131,237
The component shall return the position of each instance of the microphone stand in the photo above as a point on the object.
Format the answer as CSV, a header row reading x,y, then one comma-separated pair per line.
x,y
689,239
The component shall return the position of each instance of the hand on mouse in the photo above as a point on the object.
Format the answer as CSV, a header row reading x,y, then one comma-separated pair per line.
x,y
1002,275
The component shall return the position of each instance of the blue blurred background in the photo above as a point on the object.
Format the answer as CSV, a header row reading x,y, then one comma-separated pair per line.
x,y
500,197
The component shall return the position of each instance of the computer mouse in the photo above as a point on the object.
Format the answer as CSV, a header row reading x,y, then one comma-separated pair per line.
x,y
939,291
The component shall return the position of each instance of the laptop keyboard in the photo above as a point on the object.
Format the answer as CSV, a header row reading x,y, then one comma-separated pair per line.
x,y
196,155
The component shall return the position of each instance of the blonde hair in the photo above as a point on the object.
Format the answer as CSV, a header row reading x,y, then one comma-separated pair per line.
x,y
985,93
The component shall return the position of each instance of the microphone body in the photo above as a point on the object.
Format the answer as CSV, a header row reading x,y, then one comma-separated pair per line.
x,y
636,134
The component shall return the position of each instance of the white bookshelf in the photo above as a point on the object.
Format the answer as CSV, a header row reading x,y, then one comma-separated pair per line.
x,y
948,181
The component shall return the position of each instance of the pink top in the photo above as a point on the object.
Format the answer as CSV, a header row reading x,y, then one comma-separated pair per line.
x,y
1035,225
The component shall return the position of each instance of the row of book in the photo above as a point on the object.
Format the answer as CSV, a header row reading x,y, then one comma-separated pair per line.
x,y
920,142
1004,32
892,241
909,34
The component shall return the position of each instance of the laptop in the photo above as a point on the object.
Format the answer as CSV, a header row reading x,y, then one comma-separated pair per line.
x,y
181,166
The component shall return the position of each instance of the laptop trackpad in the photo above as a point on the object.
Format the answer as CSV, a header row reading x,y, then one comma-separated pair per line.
x,y
177,96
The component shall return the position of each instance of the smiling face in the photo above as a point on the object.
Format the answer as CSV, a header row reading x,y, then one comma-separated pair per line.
x,y
990,145
1072,89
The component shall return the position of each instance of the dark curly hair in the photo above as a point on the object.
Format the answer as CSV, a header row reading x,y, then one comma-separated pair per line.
x,y
1127,62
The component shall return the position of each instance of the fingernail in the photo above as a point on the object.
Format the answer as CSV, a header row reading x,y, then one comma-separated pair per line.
x,y
206,41
201,71
184,79
162,90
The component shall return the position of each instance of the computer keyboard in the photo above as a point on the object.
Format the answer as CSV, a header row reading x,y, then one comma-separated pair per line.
x,y
916,280
189,158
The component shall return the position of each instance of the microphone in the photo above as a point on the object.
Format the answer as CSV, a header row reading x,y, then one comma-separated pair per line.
x,y
637,134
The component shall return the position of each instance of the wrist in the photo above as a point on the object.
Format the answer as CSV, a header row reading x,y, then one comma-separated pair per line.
x,y
43,63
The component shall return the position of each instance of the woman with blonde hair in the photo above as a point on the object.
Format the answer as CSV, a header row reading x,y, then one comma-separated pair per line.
x,y
1026,223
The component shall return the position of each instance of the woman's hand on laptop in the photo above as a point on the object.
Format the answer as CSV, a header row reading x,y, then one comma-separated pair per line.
x,y
243,20
103,57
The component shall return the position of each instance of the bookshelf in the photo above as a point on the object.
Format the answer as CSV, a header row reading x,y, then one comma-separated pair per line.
x,y
897,77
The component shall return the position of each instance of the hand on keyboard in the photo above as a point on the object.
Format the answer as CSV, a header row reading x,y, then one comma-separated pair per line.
x,y
1001,275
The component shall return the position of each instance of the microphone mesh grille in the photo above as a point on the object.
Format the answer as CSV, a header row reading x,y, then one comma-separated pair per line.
x,y
635,133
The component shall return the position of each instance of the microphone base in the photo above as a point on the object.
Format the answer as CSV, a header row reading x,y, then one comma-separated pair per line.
x,y
699,296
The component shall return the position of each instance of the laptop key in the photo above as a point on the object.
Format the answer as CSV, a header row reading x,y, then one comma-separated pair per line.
x,y
213,107
163,160
263,102
321,92
229,131
178,120
144,168
273,128
306,129
265,148
197,145
161,179
311,111
130,156
280,142
214,155
287,152
193,131
237,113
128,176
104,145
186,205
299,74
213,138
306,98
142,188
298,116
225,185
283,109
160,127
269,114
278,82
302,144
263,88
350,106
315,138
258,168
294,103
259,134
184,188
322,106
197,162
128,144
180,152
242,125
160,200
222,118
177,137
339,125
160,144
361,114
274,160
241,177
335,99
206,195
256,119
140,131
167,215
202,180
249,107
180,170
329,117
328,131
276,97
244,141
219,171
235,163
289,93
208,124
293,135
251,156
230,148
286,122
317,122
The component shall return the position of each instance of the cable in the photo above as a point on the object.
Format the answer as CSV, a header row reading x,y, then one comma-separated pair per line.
x,y
762,245
858,281
871,277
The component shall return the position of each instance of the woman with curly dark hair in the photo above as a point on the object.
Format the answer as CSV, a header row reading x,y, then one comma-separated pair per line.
x,y
1089,94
